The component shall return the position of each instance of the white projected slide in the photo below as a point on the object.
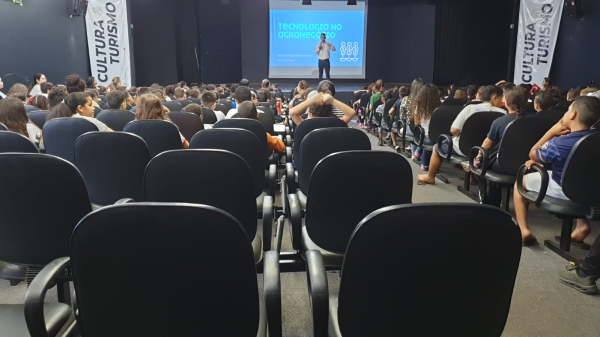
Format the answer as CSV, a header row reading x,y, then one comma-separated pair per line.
x,y
295,31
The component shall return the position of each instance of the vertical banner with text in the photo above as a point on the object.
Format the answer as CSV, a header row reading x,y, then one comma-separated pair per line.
x,y
108,41
539,21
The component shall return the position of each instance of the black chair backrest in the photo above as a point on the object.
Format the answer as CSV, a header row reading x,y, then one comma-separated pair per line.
x,y
60,135
266,111
184,103
267,122
518,139
385,240
330,216
136,238
226,102
241,142
208,116
555,114
97,111
579,179
188,123
222,108
251,125
195,100
116,119
389,104
14,142
172,105
310,125
38,118
3,127
38,210
102,98
211,177
270,106
365,99
476,129
112,165
322,142
159,135
442,119
563,105
454,101
31,108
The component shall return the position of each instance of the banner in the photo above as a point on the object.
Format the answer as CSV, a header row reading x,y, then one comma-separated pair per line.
x,y
539,21
108,41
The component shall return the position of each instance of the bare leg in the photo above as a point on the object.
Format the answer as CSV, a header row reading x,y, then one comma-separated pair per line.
x,y
581,231
521,213
434,167
394,138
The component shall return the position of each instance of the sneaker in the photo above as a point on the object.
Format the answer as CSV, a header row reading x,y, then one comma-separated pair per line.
x,y
397,147
571,276
360,125
417,155
424,169
380,142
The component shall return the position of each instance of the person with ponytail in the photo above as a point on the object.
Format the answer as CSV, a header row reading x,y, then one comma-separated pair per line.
x,y
34,89
14,117
322,103
115,83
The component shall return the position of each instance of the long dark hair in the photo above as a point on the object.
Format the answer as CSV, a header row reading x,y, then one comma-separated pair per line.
x,y
516,100
14,116
61,110
415,88
36,78
74,83
427,101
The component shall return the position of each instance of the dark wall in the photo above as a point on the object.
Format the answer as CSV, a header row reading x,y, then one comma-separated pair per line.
x,y
40,37
577,49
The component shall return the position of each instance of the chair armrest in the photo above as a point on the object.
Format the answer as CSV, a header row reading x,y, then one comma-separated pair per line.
x,y
450,146
529,196
485,161
419,138
279,233
295,221
272,179
267,221
287,130
272,284
318,292
288,141
289,157
124,201
290,173
36,293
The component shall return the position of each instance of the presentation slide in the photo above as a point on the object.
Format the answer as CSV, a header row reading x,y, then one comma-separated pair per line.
x,y
295,33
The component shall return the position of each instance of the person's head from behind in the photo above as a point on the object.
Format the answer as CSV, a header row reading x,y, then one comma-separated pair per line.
x,y
472,92
265,83
93,94
90,82
427,101
159,94
573,94
80,103
461,94
263,95
209,100
211,87
379,86
386,96
170,90
547,82
56,96
515,99
243,83
117,100
243,94
416,87
323,37
17,89
194,108
150,107
195,93
180,93
74,84
247,110
14,116
326,87
233,89
182,84
583,114
40,102
46,87
60,111
492,94
306,93
115,83
543,101
403,91
102,89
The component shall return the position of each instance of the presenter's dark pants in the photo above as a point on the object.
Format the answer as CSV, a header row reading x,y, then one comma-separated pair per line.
x,y
324,64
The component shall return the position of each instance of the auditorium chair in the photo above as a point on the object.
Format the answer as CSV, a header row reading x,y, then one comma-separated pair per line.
x,y
267,122
392,284
334,206
112,165
116,119
226,102
270,106
222,108
389,120
3,127
440,123
159,135
188,123
454,101
579,183
184,103
253,126
202,250
403,138
208,116
60,135
38,213
97,111
31,108
38,118
519,137
195,100
14,142
267,112
172,105
473,134
563,105
555,113
212,177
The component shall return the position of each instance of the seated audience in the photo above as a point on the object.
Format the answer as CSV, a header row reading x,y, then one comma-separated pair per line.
x,y
573,94
493,98
150,107
14,117
195,93
406,107
322,104
472,93
248,110
180,94
543,102
378,91
424,105
56,96
74,84
115,84
19,91
40,102
402,94
46,87
34,89
243,83
242,94
117,100
80,104
461,94
196,109
555,148
382,121
209,101
297,98
95,99
102,90
91,83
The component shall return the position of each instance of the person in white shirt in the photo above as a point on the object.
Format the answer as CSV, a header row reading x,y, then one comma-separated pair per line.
x,y
209,101
81,106
34,88
324,50
242,94
46,87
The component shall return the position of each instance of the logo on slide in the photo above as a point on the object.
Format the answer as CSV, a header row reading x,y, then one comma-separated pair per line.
x,y
349,51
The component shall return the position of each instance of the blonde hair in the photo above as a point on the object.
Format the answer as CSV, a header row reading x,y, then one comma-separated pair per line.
x,y
150,107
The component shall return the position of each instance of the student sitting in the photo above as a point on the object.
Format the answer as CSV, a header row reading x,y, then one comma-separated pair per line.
x,y
14,117
555,148
117,100
248,110
424,105
40,102
151,107
472,91
180,94
46,87
382,122
461,94
56,96
209,101
395,110
242,94
492,97
74,84
322,104
80,104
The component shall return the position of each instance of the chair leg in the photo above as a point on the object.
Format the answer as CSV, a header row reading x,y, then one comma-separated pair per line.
x,y
63,292
467,182
506,198
565,234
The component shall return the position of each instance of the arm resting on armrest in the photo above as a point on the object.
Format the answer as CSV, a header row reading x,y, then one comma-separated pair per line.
x,y
318,292
272,289
295,221
36,293
443,137
530,196
484,161
267,222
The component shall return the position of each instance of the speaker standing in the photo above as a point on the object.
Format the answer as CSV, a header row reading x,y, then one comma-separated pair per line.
x,y
323,50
